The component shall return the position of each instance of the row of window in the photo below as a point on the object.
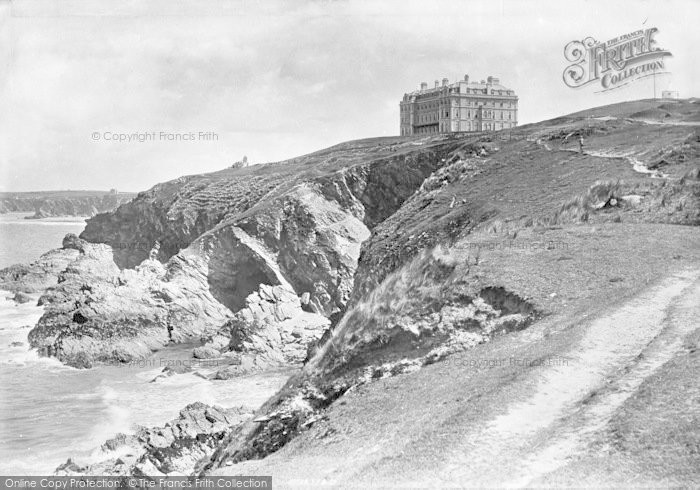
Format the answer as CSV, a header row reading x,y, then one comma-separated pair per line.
x,y
495,115
484,91
433,117
474,103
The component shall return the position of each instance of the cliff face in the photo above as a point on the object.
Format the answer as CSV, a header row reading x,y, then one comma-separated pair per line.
x,y
66,203
174,213
300,222
296,227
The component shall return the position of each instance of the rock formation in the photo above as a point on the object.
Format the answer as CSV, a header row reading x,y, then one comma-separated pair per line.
x,y
42,273
169,450
62,203
97,313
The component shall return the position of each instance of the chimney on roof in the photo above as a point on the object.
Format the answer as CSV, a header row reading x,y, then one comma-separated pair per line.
x,y
466,78
445,81
437,83
424,85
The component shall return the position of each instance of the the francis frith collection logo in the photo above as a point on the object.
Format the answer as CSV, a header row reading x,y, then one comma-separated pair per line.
x,y
614,63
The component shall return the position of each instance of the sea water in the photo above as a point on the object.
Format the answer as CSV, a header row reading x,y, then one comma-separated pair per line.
x,y
50,412
24,240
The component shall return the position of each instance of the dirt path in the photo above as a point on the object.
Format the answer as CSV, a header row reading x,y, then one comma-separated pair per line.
x,y
666,123
637,165
617,353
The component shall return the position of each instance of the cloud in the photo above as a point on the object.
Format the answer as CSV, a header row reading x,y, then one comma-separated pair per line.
x,y
272,79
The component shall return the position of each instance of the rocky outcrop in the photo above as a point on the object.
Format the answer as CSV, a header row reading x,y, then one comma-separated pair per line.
x,y
173,449
175,213
97,313
42,273
300,239
272,330
21,297
65,203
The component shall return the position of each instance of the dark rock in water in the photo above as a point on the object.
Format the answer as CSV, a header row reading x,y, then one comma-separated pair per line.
x,y
16,344
172,371
205,353
21,297
177,369
118,441
173,448
228,372
69,467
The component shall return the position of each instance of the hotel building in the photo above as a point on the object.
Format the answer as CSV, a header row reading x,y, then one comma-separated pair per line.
x,y
462,106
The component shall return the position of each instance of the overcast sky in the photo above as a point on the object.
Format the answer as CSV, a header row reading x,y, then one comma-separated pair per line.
x,y
278,79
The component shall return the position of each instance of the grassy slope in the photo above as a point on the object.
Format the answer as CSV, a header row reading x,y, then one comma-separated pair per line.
x,y
520,180
401,425
404,425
